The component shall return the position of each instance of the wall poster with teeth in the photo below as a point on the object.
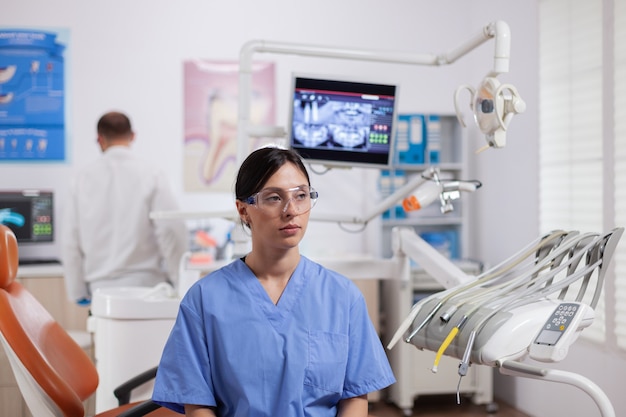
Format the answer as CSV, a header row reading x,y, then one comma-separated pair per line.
x,y
32,95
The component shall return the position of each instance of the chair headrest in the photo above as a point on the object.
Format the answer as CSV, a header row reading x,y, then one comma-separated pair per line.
x,y
9,258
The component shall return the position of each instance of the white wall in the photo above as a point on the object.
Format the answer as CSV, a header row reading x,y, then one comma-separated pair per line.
x,y
128,55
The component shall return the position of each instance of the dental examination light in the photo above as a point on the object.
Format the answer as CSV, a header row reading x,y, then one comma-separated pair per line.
x,y
533,305
493,105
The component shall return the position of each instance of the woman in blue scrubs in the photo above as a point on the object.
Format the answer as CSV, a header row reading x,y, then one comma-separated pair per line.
x,y
273,333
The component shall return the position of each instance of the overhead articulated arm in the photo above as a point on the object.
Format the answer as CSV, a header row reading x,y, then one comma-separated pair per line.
x,y
498,30
501,33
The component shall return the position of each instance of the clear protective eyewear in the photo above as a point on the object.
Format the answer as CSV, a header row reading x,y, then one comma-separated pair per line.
x,y
276,200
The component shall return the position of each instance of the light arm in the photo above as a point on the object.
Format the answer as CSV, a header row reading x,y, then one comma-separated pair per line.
x,y
380,208
420,191
498,30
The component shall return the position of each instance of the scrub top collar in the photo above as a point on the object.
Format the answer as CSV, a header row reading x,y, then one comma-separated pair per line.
x,y
280,312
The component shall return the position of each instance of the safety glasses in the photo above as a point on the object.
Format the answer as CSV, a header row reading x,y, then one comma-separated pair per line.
x,y
277,200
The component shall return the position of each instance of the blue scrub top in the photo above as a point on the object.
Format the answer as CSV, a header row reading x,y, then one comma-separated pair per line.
x,y
233,348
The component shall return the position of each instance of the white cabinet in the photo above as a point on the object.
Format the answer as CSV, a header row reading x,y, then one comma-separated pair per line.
x,y
448,233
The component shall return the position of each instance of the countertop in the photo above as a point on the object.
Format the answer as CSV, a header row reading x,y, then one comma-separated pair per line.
x,y
40,270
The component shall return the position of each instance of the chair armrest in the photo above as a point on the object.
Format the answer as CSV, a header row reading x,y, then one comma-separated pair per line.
x,y
122,392
140,409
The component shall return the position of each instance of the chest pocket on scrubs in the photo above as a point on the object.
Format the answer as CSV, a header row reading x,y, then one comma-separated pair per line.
x,y
327,362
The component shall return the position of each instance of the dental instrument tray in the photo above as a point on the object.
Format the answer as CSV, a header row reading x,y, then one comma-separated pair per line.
x,y
501,313
533,305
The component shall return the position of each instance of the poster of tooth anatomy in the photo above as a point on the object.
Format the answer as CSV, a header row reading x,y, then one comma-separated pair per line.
x,y
32,95
210,114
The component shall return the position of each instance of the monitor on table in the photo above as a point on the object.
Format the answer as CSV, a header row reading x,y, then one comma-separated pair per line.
x,y
29,214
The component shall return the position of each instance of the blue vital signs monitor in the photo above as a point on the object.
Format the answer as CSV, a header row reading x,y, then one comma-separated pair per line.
x,y
29,213
342,123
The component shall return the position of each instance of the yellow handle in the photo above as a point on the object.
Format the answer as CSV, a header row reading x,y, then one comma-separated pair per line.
x,y
444,346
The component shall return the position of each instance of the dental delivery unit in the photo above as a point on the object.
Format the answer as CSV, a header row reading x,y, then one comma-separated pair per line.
x,y
533,305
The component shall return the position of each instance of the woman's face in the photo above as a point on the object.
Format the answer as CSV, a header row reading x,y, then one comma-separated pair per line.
x,y
281,228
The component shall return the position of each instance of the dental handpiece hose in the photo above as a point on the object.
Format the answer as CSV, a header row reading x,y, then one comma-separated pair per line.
x,y
465,364
447,342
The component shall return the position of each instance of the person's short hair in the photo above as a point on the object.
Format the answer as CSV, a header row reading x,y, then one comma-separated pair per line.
x,y
114,125
260,165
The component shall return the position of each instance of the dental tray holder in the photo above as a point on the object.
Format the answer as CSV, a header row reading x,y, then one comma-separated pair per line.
x,y
504,336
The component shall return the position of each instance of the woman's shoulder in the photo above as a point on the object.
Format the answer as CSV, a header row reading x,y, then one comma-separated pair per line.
x,y
221,278
327,275
234,268
316,266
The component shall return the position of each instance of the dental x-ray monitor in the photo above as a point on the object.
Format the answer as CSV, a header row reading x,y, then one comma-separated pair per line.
x,y
337,122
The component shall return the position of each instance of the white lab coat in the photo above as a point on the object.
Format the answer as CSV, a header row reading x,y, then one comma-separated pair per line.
x,y
108,238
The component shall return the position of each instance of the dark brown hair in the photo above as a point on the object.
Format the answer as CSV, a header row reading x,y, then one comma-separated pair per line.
x,y
114,125
260,165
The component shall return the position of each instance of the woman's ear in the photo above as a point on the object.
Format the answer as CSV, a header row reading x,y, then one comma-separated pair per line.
x,y
242,210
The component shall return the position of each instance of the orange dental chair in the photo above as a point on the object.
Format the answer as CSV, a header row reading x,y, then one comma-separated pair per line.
x,y
53,372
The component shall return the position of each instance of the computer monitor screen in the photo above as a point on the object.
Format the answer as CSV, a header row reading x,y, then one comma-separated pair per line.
x,y
342,122
29,213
